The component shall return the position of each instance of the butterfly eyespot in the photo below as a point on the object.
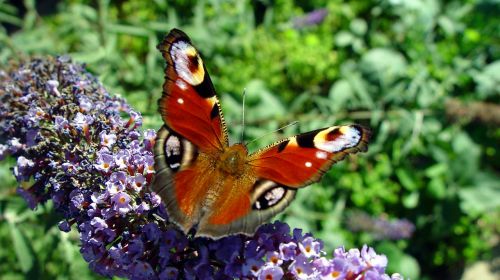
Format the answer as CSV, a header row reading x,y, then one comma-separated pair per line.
x,y
173,152
268,194
337,139
187,62
270,198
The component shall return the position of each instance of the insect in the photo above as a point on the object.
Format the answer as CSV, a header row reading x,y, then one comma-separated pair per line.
x,y
220,189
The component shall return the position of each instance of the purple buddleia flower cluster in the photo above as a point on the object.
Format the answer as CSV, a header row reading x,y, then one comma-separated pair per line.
x,y
82,148
380,227
310,19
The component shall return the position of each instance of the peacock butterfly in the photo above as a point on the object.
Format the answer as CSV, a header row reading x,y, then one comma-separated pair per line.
x,y
216,188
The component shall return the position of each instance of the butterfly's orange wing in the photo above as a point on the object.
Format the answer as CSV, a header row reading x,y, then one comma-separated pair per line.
x,y
301,160
189,105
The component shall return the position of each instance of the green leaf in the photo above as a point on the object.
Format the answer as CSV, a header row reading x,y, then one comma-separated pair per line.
x,y
269,105
344,39
483,196
436,170
411,200
383,65
488,81
22,247
339,94
437,188
406,179
358,26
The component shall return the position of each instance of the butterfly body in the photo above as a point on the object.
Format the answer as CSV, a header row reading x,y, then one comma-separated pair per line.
x,y
217,188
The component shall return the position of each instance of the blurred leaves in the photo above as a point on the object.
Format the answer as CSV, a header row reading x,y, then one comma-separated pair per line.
x,y
488,80
22,247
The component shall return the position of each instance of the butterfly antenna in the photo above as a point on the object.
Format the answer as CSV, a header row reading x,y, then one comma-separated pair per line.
x,y
243,116
279,129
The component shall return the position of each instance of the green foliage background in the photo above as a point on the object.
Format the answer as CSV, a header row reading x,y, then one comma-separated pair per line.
x,y
423,74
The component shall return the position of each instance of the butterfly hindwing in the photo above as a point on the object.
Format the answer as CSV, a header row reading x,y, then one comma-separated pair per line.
x,y
189,104
264,200
173,154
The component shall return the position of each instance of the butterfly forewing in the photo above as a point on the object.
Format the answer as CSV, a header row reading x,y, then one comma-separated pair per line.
x,y
189,105
301,160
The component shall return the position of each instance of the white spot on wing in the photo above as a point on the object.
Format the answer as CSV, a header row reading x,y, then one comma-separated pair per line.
x,y
180,101
308,164
321,155
182,85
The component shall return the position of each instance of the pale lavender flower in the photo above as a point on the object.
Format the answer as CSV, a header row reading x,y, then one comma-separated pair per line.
x,y
310,247
149,138
23,169
121,203
107,139
14,145
270,272
121,159
77,199
82,120
137,182
288,251
61,124
274,258
52,86
142,208
251,266
99,224
105,161
134,121
35,114
155,200
85,104
378,262
301,268
69,168
119,177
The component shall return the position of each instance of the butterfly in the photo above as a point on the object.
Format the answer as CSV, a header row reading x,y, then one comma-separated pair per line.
x,y
220,189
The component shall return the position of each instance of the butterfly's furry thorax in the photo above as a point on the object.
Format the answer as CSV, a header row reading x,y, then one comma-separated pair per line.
x,y
233,159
